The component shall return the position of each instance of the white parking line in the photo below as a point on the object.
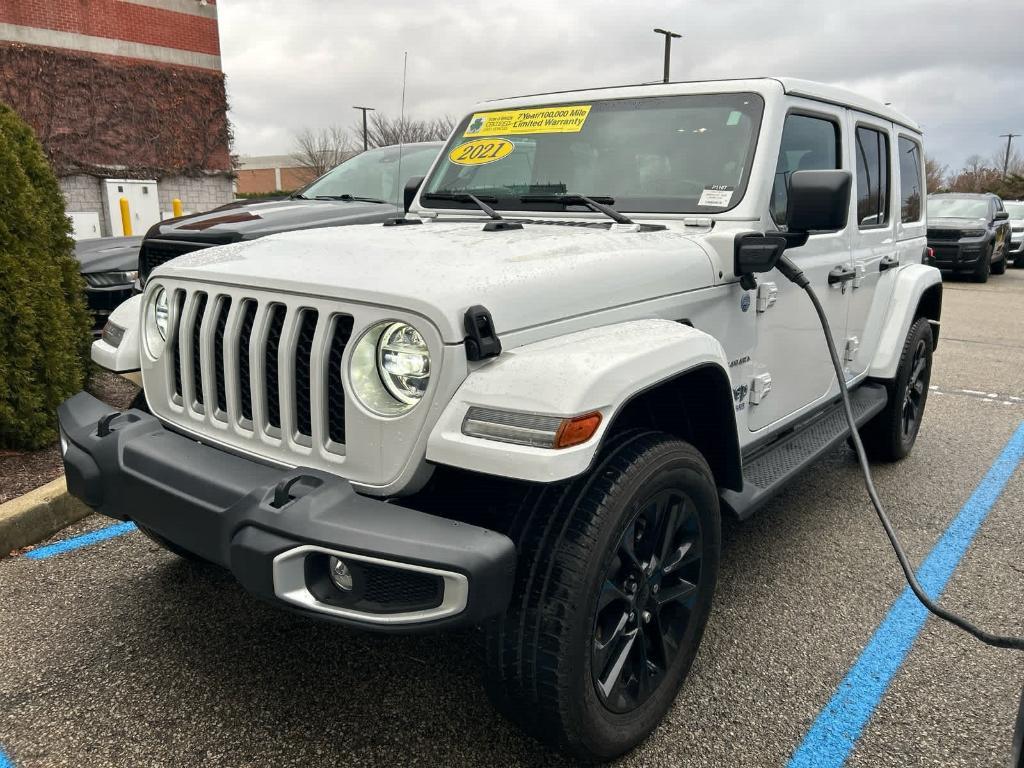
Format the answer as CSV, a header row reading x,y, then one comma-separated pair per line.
x,y
991,397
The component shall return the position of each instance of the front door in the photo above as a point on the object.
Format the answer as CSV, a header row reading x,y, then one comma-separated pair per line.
x,y
790,356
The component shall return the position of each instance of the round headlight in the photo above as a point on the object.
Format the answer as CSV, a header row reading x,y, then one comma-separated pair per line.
x,y
161,313
390,368
404,362
156,320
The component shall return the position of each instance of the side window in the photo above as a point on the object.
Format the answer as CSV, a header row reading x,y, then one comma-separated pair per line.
x,y
910,179
808,144
872,178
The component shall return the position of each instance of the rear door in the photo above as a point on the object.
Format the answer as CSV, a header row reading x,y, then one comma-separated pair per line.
x,y
875,244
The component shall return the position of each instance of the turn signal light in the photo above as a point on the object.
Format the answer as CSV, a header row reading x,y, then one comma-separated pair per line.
x,y
577,430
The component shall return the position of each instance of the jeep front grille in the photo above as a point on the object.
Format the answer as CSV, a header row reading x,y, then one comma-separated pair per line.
x,y
259,365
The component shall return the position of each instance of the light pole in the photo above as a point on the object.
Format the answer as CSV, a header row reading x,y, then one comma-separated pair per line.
x,y
1006,160
668,47
365,110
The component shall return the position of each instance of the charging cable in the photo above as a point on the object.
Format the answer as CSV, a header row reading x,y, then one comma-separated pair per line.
x,y
793,273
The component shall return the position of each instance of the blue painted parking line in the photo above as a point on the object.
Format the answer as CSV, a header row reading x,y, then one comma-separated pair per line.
x,y
835,732
60,547
5,761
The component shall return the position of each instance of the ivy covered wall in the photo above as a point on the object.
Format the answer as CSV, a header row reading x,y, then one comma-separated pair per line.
x,y
94,113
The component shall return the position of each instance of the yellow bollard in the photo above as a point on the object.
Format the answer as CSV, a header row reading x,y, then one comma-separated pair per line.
x,y
176,208
126,218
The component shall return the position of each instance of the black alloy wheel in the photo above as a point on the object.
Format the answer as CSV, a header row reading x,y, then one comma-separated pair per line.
x,y
644,608
916,390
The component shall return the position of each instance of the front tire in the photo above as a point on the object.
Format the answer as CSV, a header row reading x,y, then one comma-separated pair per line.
x,y
999,267
891,434
616,575
981,271
170,546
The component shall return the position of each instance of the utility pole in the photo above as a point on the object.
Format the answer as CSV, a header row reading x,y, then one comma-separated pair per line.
x,y
668,47
365,110
1006,160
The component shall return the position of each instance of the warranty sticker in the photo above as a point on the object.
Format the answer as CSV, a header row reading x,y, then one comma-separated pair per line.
x,y
481,151
716,196
568,119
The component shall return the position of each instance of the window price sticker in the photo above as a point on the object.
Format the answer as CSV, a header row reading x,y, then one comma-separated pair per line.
x,y
716,196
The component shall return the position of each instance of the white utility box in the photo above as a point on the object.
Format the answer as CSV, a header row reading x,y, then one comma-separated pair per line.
x,y
143,204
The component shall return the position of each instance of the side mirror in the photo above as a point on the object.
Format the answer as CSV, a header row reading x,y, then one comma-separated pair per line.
x,y
412,186
1002,215
819,201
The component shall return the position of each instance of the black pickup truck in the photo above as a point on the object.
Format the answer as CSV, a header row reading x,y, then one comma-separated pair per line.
x,y
365,189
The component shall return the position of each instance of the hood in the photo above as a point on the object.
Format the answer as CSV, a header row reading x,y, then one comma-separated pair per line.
x,y
108,254
247,221
957,222
527,277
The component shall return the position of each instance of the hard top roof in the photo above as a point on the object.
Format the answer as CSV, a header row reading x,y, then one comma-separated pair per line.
x,y
809,89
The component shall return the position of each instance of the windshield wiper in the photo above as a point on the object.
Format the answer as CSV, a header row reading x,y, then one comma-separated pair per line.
x,y
466,197
347,197
572,199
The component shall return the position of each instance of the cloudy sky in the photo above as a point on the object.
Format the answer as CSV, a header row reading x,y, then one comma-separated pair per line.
x,y
956,66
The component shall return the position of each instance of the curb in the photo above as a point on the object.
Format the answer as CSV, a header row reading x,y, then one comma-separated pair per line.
x,y
37,515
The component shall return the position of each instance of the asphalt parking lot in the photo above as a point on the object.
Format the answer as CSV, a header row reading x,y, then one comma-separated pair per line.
x,y
119,654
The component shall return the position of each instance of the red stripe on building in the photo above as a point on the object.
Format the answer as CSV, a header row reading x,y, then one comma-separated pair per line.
x,y
119,21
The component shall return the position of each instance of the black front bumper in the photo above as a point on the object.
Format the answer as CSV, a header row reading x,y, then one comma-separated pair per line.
x,y
252,518
958,256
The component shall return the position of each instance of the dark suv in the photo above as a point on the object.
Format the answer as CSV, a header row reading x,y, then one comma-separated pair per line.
x,y
968,233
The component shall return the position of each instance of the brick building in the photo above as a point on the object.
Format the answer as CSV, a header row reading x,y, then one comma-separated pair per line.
x,y
127,98
266,174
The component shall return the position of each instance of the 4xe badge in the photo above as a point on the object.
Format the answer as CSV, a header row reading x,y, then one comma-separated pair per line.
x,y
740,396
745,302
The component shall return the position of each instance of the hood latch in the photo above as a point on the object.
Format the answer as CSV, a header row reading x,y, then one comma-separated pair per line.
x,y
482,341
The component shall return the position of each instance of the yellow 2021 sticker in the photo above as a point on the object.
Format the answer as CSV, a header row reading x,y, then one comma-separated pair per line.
x,y
481,151
568,119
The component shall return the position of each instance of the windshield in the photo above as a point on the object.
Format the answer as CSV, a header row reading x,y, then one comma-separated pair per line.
x,y
1015,209
957,207
664,154
374,174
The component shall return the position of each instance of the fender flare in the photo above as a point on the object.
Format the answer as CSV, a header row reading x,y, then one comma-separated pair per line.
x,y
125,357
912,282
600,369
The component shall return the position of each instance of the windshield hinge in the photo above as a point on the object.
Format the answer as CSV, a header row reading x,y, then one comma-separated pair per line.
x,y
482,341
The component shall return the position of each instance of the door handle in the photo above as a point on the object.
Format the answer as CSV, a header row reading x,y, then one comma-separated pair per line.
x,y
888,262
841,274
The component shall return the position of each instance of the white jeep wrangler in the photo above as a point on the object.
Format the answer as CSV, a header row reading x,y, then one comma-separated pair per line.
x,y
526,404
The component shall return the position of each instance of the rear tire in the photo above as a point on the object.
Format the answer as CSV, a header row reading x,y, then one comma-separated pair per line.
x,y
891,435
616,574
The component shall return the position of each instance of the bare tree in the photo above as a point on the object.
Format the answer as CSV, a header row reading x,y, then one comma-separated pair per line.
x,y
384,131
320,150
934,174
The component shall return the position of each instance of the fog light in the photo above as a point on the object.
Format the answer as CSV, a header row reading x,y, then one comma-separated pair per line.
x,y
341,576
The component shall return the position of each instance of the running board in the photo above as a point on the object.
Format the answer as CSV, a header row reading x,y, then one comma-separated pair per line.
x,y
769,470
